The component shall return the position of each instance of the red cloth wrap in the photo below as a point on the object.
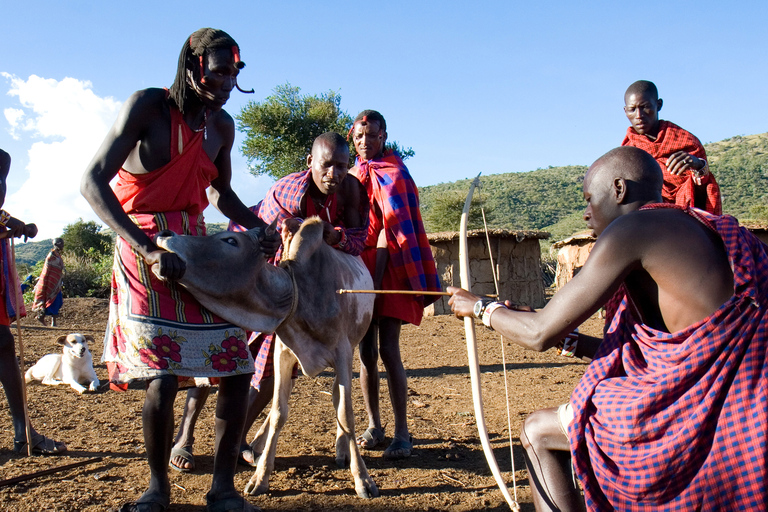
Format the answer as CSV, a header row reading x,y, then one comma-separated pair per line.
x,y
177,186
393,193
678,421
678,189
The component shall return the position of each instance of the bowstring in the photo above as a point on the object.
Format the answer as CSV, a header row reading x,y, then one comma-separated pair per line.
x,y
503,354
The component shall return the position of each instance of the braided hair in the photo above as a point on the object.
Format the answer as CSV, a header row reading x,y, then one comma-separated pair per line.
x,y
191,59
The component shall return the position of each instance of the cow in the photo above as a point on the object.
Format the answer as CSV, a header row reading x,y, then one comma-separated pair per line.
x,y
298,301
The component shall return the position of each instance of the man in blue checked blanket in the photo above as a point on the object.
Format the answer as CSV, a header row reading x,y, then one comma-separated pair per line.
x,y
672,412
328,191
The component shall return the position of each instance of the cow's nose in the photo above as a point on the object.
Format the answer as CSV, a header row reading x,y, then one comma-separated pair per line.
x,y
167,233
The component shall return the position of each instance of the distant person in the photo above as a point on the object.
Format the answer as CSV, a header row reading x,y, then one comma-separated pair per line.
x,y
687,179
10,374
398,255
671,413
48,297
166,148
326,190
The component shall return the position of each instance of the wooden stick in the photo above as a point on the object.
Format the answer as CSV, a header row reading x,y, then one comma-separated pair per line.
x,y
402,292
19,305
67,329
23,478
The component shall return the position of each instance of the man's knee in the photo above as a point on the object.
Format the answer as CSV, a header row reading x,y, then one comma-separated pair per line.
x,y
541,429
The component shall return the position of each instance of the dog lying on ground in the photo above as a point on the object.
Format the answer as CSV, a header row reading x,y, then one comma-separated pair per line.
x,y
74,366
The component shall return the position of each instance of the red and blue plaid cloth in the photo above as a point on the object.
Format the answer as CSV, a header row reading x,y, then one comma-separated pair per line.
x,y
678,189
679,421
395,193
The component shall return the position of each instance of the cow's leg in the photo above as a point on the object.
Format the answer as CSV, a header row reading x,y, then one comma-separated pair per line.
x,y
347,450
284,361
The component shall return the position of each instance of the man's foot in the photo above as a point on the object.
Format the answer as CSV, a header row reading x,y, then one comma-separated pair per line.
x,y
41,445
231,504
371,438
182,459
399,449
146,503
247,457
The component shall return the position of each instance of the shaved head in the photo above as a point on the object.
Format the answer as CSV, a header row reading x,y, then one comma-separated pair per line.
x,y
331,139
642,88
636,167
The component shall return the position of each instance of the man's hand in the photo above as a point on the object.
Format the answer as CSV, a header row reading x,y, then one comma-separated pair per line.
x,y
330,235
680,162
462,302
269,241
166,265
18,229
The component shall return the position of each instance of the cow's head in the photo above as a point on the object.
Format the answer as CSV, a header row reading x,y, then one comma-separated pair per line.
x,y
228,274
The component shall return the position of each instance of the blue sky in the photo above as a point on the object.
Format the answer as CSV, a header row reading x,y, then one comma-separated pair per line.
x,y
493,87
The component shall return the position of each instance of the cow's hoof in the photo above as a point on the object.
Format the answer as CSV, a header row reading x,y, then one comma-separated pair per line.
x,y
342,462
252,489
368,491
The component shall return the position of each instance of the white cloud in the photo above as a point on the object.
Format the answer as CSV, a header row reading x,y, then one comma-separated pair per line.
x,y
65,123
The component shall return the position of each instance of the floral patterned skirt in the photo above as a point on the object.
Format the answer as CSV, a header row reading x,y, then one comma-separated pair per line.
x,y
156,327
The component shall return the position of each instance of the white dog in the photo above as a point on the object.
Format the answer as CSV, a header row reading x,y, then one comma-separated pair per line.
x,y
74,366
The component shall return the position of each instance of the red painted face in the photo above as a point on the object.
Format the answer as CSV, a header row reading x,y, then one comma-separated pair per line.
x,y
369,139
219,78
642,110
329,166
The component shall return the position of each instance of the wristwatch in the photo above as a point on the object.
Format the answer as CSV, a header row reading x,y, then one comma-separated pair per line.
x,y
480,306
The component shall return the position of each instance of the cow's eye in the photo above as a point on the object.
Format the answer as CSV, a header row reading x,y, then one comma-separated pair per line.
x,y
231,241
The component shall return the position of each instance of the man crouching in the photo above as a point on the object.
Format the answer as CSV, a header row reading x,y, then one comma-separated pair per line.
x,y
670,414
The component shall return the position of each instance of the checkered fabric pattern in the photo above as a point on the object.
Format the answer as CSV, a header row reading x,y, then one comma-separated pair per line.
x,y
678,189
679,421
395,192
283,201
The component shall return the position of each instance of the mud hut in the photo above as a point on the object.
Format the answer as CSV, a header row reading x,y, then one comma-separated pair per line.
x,y
516,262
571,255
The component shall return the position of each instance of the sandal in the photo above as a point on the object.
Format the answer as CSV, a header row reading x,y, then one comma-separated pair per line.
x,y
399,449
241,458
146,504
371,438
41,445
185,455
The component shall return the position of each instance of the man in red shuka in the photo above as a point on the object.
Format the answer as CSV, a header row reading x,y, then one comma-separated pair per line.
x,y
687,180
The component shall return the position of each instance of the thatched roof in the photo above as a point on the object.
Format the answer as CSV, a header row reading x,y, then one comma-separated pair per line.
x,y
579,238
519,236
755,225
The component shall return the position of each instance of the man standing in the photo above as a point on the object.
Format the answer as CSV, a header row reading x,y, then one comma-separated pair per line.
x,y
167,147
48,297
10,374
687,180
325,190
398,255
671,413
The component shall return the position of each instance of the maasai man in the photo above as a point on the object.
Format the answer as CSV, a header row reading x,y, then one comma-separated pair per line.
x,y
167,147
10,374
48,297
327,191
687,180
398,255
672,413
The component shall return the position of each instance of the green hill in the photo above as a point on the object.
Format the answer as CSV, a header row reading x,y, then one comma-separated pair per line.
x,y
551,199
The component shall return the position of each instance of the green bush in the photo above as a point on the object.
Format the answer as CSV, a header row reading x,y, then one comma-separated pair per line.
x,y
88,275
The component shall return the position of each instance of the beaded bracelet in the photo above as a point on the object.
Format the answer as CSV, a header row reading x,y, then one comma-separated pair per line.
x,y
343,241
4,217
489,309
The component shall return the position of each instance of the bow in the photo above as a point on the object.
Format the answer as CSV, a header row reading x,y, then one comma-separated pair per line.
x,y
474,365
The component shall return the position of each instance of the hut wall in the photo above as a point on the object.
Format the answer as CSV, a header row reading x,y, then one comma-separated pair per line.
x,y
570,258
518,268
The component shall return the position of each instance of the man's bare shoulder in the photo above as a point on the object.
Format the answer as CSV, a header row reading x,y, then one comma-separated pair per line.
x,y
351,187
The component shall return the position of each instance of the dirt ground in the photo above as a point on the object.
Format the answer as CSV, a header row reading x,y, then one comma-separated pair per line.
x,y
446,472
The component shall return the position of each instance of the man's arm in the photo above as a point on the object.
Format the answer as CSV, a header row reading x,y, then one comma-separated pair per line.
x,y
614,255
141,108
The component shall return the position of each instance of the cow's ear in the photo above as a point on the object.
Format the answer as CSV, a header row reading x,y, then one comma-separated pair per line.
x,y
62,340
271,229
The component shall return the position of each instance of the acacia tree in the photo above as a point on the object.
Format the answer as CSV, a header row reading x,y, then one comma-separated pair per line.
x,y
279,131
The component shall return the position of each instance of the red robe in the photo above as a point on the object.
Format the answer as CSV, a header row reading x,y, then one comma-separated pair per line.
x,y
678,189
156,327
